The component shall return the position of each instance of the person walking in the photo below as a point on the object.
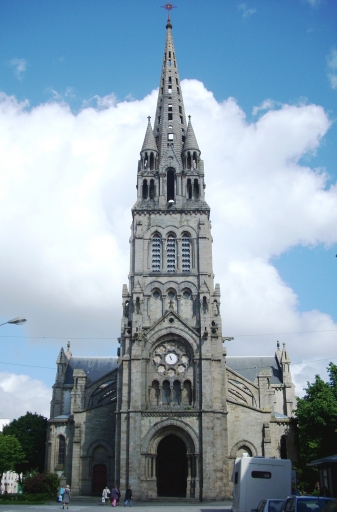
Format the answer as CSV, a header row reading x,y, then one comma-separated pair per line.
x,y
105,495
66,496
114,496
118,495
128,497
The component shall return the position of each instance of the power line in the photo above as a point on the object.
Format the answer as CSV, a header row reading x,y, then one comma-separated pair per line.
x,y
235,369
110,338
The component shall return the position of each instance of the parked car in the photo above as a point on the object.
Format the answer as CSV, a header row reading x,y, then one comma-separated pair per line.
x,y
331,506
304,503
269,506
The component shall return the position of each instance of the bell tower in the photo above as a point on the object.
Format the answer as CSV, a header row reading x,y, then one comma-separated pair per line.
x,y
171,437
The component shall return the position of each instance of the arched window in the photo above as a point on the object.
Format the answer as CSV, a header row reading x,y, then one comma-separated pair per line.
x,y
145,189
152,194
62,450
189,160
186,253
151,161
171,253
189,189
170,184
176,392
156,253
195,189
283,447
166,392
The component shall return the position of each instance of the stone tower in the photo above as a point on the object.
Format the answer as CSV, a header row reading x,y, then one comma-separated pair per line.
x,y
171,430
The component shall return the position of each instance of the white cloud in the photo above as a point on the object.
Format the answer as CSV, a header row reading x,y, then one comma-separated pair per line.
x,y
67,186
19,67
246,11
266,105
332,65
20,393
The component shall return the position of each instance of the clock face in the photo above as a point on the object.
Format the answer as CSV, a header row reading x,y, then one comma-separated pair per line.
x,y
171,358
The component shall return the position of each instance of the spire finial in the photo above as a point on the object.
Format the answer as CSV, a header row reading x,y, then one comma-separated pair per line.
x,y
168,7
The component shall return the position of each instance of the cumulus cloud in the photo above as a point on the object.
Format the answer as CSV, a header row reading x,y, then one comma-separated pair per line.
x,y
20,393
332,65
247,12
19,67
67,186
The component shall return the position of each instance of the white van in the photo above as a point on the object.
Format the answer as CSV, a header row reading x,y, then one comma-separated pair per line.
x,y
258,478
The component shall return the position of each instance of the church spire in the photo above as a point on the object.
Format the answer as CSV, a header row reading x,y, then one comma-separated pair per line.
x,y
170,122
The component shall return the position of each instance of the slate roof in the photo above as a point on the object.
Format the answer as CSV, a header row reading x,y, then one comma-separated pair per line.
x,y
94,367
250,367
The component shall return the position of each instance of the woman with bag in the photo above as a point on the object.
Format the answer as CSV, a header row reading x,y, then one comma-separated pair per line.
x,y
114,496
105,495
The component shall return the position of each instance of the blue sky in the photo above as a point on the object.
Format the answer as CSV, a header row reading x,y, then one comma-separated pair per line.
x,y
87,71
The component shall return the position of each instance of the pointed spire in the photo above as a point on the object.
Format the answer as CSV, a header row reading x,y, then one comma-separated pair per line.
x,y
170,122
61,358
149,143
191,141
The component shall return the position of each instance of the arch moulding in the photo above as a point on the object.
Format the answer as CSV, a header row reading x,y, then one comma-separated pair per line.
x,y
170,426
99,442
241,444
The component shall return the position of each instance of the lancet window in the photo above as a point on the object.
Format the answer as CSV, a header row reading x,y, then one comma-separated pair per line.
x,y
171,253
156,253
186,253
62,450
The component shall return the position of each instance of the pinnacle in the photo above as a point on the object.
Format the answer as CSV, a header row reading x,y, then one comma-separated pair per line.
x,y
191,141
149,143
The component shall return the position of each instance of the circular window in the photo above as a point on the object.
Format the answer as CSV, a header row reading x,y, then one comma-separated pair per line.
x,y
171,320
186,294
156,294
171,295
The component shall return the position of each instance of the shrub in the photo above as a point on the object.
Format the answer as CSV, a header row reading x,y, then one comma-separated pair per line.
x,y
42,483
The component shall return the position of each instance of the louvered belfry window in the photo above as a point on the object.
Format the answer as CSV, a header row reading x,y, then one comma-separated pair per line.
x,y
156,253
171,254
186,253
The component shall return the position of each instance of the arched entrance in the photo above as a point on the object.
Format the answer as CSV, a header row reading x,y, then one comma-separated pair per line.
x,y
172,467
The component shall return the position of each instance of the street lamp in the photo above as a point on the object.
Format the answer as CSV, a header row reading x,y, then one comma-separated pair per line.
x,y
16,321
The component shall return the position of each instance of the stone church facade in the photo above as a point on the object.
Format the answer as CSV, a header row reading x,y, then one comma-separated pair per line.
x,y
172,411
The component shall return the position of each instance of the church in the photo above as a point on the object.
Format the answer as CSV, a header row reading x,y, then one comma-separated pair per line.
x,y
172,411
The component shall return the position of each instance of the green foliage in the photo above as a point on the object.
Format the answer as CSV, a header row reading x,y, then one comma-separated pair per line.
x,y
47,483
317,422
30,430
11,453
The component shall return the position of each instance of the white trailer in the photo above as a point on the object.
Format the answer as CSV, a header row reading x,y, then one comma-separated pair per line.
x,y
258,478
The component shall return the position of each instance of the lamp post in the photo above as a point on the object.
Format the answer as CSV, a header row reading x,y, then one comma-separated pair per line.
x,y
16,321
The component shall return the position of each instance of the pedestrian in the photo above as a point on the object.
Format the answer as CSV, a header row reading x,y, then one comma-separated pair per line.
x,y
128,497
114,496
118,495
66,496
105,495
60,494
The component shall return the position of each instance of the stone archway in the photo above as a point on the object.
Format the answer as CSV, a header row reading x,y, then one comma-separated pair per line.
x,y
168,441
172,467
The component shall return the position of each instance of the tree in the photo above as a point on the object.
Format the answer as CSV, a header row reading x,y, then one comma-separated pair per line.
x,y
317,421
30,431
11,454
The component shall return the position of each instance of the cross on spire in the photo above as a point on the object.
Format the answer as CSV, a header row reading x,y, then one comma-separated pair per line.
x,y
168,7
